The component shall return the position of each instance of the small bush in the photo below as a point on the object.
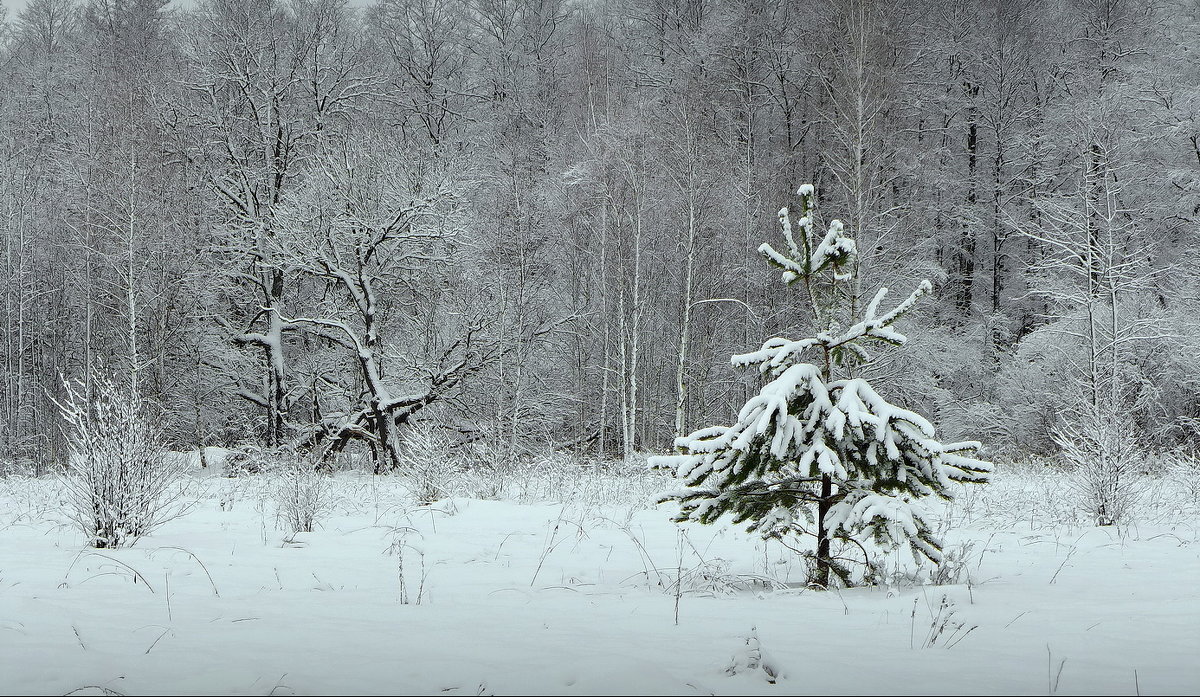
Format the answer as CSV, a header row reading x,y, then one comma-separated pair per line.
x,y
302,495
1107,465
117,479
17,467
1183,470
426,465
251,459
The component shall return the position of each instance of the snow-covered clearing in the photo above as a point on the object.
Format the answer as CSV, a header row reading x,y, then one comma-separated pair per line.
x,y
567,587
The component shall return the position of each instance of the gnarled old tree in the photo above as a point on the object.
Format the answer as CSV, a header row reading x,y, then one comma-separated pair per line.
x,y
271,80
374,233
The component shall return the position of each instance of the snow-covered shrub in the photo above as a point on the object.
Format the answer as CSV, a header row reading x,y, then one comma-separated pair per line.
x,y
252,459
485,470
749,658
426,466
1107,463
118,483
302,494
16,467
1184,471
818,453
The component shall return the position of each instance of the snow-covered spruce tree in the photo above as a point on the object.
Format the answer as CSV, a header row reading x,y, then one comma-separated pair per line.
x,y
816,453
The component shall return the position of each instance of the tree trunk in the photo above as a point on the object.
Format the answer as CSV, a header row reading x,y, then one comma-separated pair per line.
x,y
824,561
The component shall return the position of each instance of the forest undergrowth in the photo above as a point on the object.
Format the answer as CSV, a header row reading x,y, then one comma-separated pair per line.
x,y
1035,495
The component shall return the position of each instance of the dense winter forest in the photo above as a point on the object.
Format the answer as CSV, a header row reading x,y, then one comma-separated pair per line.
x,y
708,346
534,224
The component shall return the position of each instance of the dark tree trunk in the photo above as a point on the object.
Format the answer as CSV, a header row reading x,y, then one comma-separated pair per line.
x,y
824,561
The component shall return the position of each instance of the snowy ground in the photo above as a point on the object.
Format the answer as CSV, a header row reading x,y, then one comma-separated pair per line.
x,y
568,587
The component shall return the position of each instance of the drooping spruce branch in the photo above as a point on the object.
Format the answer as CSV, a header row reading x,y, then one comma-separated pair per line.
x,y
811,455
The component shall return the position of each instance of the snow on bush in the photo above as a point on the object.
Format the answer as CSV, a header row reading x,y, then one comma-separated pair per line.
x,y
1108,465
302,494
119,484
426,464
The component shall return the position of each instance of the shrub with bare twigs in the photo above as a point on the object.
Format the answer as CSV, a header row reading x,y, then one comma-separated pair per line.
x,y
119,483
302,494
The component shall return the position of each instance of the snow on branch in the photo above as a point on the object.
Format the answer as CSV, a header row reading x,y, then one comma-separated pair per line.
x,y
778,353
798,429
809,440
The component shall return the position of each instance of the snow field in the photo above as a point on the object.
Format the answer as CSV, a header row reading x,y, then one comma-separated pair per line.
x,y
568,586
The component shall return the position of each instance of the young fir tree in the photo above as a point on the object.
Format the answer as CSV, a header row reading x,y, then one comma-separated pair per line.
x,y
816,453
